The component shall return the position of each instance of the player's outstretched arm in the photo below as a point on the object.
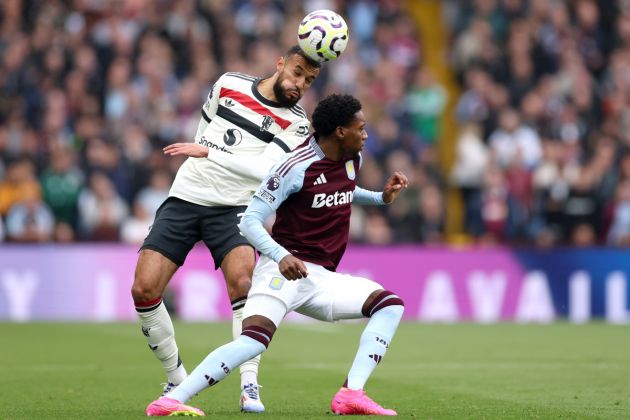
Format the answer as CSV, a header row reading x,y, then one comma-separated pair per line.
x,y
394,185
251,166
186,149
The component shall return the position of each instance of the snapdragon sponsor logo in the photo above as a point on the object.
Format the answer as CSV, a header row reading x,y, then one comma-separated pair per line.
x,y
205,142
337,198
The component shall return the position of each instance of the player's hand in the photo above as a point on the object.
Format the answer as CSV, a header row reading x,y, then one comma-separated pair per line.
x,y
187,149
292,268
394,185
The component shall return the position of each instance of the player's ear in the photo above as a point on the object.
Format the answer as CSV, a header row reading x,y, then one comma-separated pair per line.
x,y
280,64
340,131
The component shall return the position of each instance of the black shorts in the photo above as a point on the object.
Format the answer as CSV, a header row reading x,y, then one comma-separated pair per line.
x,y
179,225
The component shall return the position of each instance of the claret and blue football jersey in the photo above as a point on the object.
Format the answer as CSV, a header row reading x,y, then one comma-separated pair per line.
x,y
312,197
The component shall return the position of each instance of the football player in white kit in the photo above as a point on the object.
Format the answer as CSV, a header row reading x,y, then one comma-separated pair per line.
x,y
311,192
247,124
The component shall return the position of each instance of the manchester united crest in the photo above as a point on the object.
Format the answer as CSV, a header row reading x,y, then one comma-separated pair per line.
x,y
266,123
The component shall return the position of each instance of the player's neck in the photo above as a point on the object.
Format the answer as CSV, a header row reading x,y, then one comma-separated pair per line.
x,y
265,88
330,148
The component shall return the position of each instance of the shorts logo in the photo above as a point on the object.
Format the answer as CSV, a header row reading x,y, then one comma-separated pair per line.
x,y
350,170
276,283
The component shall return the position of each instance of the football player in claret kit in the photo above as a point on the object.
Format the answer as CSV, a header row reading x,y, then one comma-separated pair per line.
x,y
247,124
311,192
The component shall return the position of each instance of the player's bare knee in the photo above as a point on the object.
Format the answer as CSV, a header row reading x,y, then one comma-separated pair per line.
x,y
239,286
381,299
259,328
144,290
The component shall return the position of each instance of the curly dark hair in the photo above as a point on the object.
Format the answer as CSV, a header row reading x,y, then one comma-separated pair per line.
x,y
297,50
334,111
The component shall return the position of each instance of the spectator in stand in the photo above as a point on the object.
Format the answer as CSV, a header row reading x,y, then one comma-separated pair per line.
x,y
619,233
20,184
101,209
134,229
30,220
425,103
61,184
512,141
153,195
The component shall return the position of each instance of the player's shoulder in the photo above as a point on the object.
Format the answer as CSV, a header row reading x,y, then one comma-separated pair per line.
x,y
238,77
300,159
236,81
298,111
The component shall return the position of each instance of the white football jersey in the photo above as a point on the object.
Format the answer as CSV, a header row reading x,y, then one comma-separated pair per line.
x,y
237,122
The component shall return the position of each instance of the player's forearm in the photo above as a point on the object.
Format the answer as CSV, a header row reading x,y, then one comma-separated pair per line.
x,y
363,196
252,228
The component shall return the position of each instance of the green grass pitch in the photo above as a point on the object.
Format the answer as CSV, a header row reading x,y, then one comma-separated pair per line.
x,y
465,371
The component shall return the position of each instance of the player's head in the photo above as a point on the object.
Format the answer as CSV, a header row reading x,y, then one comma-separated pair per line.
x,y
340,116
295,73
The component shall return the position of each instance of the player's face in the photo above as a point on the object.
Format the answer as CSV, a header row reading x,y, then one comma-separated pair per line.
x,y
354,135
295,75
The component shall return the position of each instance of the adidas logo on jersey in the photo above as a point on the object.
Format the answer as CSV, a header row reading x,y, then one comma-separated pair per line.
x,y
331,200
321,179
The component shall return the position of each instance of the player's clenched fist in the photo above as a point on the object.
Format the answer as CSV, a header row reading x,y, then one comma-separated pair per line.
x,y
394,185
292,268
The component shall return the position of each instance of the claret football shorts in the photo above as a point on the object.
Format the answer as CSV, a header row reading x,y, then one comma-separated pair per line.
x,y
324,295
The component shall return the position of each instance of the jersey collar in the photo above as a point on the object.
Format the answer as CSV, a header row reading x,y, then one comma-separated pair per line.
x,y
318,150
261,98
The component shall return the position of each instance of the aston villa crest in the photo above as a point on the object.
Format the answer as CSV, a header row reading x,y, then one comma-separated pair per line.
x,y
350,170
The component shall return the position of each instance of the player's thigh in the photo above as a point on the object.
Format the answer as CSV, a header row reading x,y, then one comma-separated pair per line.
x,y
175,230
350,297
153,272
268,281
338,296
220,232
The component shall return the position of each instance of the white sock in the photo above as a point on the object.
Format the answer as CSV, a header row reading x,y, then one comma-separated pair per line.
x,y
249,369
216,366
158,329
374,342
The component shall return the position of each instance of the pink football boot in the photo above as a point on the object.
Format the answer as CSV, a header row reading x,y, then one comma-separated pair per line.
x,y
164,407
348,401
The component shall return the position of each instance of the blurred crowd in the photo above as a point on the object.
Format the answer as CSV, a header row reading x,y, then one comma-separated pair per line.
x,y
543,155
91,91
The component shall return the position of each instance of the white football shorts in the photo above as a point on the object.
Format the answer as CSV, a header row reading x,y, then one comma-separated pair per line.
x,y
323,295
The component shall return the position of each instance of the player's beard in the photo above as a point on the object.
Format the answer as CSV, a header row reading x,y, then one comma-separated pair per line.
x,y
281,96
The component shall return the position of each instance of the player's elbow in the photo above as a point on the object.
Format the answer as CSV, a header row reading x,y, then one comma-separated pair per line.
x,y
245,225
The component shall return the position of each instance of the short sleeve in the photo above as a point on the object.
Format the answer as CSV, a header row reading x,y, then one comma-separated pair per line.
x,y
293,135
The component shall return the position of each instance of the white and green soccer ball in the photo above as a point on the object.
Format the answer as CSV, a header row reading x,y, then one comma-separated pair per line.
x,y
323,35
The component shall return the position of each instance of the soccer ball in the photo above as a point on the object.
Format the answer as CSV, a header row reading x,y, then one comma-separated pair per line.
x,y
323,35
